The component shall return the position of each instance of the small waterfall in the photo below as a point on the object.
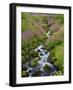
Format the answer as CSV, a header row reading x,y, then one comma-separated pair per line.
x,y
44,56
44,60
48,34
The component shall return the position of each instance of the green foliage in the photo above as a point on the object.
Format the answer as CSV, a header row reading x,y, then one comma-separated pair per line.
x,y
28,47
52,44
24,74
23,59
24,21
56,39
45,23
37,18
47,68
34,62
33,53
59,18
28,51
58,73
34,22
28,21
57,56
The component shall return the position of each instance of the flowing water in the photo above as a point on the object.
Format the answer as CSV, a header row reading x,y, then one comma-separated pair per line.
x,y
44,60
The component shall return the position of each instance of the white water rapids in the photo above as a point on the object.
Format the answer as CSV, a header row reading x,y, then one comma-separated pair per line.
x,y
44,60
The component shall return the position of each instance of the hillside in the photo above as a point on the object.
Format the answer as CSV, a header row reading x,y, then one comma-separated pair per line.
x,y
34,33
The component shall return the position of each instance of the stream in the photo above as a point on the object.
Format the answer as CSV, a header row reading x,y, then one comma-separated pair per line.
x,y
44,60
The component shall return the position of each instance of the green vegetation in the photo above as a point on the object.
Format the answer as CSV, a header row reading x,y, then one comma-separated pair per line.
x,y
57,56
29,21
24,21
59,18
45,23
34,62
56,46
24,74
28,48
38,26
46,68
56,39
